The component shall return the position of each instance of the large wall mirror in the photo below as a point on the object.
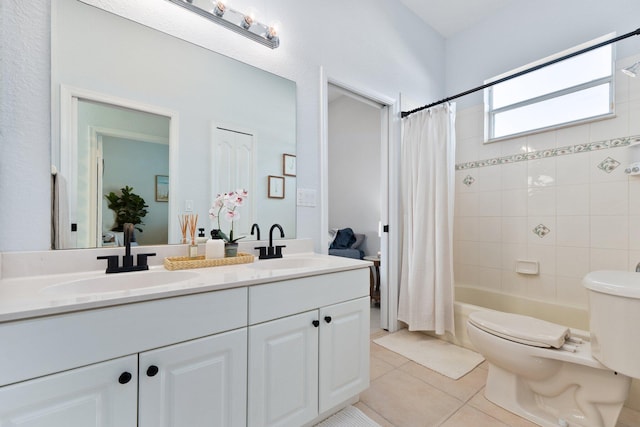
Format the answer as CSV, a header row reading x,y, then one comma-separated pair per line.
x,y
135,107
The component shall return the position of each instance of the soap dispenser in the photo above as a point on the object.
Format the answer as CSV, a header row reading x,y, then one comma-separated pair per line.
x,y
214,247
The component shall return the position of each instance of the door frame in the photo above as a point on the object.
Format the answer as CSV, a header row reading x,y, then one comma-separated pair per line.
x,y
390,188
68,137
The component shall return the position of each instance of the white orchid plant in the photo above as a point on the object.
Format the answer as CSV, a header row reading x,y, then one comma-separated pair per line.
x,y
227,204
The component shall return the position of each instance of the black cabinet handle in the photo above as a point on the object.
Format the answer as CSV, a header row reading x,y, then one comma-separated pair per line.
x,y
152,371
124,378
316,323
327,319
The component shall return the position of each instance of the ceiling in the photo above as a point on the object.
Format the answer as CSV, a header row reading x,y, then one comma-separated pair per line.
x,y
449,17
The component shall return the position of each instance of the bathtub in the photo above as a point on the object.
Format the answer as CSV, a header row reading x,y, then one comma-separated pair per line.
x,y
470,299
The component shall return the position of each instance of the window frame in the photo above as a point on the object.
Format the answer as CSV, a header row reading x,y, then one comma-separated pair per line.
x,y
489,113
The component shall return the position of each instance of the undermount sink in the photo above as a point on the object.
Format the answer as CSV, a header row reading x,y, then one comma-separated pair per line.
x,y
119,282
289,263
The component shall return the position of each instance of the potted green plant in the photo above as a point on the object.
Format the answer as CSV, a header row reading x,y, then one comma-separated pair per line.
x,y
128,207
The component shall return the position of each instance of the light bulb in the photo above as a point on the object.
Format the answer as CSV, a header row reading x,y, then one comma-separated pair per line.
x,y
272,32
219,8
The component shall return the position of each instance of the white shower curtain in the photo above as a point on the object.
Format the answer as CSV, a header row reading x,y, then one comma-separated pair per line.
x,y
428,169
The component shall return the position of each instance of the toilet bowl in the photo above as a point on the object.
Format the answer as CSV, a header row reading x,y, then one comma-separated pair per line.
x,y
545,372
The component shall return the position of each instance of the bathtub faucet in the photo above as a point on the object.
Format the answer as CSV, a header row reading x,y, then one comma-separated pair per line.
x,y
638,268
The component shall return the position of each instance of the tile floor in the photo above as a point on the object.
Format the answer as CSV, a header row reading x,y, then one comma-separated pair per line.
x,y
405,394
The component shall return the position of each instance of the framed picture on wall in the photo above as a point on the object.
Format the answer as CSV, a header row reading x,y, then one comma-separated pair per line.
x,y
162,188
276,187
289,165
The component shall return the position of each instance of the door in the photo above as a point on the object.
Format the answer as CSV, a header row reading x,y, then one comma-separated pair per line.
x,y
232,168
344,351
197,383
357,122
283,371
100,395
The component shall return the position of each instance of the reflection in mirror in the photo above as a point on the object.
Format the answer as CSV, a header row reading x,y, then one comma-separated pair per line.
x,y
197,99
110,144
118,148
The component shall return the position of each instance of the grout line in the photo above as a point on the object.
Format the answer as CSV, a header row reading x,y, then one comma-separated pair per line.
x,y
377,413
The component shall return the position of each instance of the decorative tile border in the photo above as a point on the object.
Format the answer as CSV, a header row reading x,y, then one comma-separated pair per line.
x,y
553,152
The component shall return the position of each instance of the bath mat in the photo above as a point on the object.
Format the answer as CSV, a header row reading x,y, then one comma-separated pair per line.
x,y
348,417
435,354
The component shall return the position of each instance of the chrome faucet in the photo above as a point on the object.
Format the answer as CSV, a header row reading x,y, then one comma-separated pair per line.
x,y
271,251
638,268
256,228
127,259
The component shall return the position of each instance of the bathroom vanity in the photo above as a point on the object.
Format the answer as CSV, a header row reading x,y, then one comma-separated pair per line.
x,y
276,342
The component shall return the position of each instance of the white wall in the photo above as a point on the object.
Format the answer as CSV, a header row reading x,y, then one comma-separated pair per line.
x,y
380,47
527,31
354,169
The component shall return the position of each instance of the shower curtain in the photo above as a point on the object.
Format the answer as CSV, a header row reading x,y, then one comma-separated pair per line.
x,y
428,168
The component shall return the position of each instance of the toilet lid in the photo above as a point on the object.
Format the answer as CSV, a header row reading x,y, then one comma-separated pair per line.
x,y
523,329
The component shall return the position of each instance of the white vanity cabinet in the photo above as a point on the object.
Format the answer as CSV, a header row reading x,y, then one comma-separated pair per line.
x,y
176,362
308,346
102,394
198,383
280,352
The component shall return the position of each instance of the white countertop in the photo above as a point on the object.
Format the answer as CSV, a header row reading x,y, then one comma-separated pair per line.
x,y
23,297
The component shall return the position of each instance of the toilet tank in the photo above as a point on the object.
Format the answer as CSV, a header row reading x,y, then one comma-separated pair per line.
x,y
614,319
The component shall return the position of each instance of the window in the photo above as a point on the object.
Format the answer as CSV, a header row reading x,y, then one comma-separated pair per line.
x,y
576,89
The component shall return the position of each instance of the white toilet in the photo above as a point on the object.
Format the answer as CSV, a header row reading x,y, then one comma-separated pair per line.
x,y
553,376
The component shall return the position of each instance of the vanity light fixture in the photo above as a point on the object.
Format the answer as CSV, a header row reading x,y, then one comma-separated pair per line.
x,y
233,20
633,70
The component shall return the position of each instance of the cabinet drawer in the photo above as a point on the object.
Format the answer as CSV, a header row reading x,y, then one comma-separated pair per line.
x,y
41,346
275,300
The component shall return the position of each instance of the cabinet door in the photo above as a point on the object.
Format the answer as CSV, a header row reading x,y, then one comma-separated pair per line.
x,y
197,383
100,395
283,371
344,351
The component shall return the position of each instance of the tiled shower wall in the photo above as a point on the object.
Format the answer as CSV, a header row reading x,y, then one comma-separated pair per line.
x,y
559,197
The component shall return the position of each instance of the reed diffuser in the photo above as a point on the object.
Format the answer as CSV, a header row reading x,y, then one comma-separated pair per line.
x,y
183,219
192,221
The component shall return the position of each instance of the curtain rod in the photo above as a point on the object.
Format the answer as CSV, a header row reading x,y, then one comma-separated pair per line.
x,y
523,72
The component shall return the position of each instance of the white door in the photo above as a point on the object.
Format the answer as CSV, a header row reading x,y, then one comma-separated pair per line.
x,y
196,383
344,351
232,168
283,371
100,395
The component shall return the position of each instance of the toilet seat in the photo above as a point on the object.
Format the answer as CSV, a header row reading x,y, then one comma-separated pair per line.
x,y
521,329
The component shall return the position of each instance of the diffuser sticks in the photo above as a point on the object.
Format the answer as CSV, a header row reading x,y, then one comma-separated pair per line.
x,y
189,222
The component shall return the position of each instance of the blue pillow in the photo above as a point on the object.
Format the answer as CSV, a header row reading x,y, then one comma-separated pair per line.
x,y
344,239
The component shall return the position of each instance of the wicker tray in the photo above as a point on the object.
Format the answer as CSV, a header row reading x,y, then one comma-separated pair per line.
x,y
185,262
